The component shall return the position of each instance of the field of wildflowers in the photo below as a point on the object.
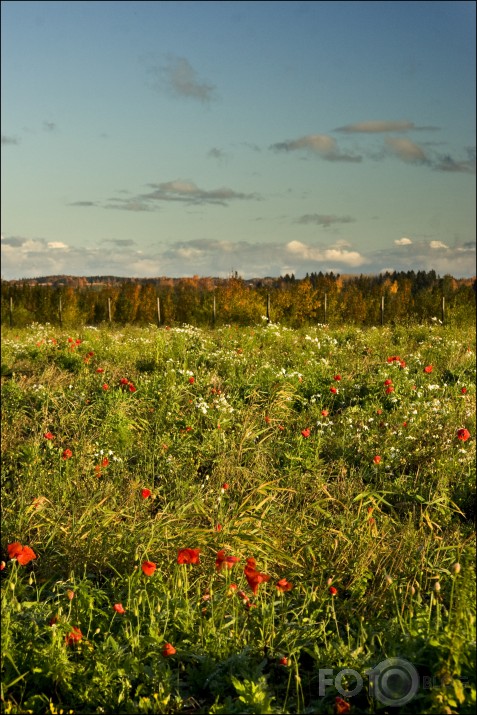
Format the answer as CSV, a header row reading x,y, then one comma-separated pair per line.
x,y
207,521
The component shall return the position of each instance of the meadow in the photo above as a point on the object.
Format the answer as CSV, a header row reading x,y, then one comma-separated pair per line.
x,y
239,520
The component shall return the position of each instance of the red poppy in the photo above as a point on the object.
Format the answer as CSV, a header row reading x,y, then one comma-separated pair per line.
x,y
463,391
267,419
333,590
49,435
325,413
74,636
25,555
70,594
168,650
188,556
388,382
131,387
463,434
283,661
99,369
341,706
145,493
281,428
2,565
191,380
333,390
389,390
223,560
67,454
376,459
254,577
337,378
218,527
105,386
306,432
251,563
104,462
14,549
283,585
148,567
118,607
225,485
428,368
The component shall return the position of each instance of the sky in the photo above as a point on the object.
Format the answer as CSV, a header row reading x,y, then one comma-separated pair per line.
x,y
148,139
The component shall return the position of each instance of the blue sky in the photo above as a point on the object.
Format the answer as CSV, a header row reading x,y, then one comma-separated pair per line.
x,y
202,138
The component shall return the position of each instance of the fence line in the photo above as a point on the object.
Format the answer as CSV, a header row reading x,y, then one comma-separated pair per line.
x,y
323,304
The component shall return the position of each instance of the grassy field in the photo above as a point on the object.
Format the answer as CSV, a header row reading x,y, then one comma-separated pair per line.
x,y
244,520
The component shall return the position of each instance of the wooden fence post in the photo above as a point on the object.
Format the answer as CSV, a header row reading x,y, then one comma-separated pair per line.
x,y
158,311
109,309
443,309
268,307
325,306
60,313
11,311
382,310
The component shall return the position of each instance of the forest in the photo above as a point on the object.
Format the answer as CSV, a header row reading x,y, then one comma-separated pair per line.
x,y
318,298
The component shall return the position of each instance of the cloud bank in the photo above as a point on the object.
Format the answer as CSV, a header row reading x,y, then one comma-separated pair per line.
x,y
24,257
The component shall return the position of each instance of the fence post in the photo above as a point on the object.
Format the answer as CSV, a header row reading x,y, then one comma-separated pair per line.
x,y
443,309
158,311
268,307
325,306
60,315
11,311
382,310
109,309
214,310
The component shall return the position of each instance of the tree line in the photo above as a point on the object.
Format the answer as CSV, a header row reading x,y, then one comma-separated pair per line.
x,y
396,297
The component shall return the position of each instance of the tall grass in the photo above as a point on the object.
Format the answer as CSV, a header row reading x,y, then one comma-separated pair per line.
x,y
335,466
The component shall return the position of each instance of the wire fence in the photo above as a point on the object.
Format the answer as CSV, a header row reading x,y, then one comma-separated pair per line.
x,y
322,312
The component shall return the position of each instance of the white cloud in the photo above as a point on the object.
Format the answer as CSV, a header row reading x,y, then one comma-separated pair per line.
x,y
56,244
403,241
405,149
437,244
321,144
336,254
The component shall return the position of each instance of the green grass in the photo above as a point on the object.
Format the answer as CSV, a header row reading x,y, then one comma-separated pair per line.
x,y
318,510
